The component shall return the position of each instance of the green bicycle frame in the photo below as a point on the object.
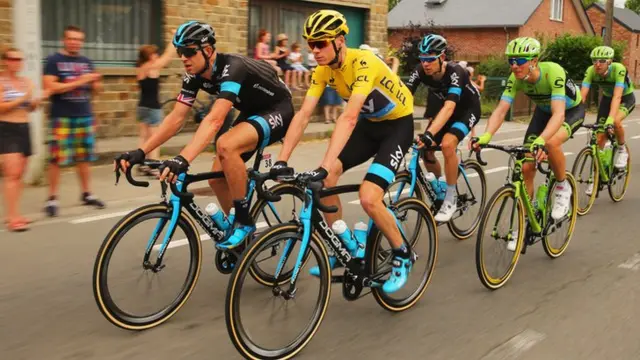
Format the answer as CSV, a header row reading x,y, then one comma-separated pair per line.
x,y
603,157
521,193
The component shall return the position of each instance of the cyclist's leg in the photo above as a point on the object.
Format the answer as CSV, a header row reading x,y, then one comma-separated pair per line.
x,y
461,122
430,161
536,127
219,186
395,138
572,119
603,113
360,147
626,106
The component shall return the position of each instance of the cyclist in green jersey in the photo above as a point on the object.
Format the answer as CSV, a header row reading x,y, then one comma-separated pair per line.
x,y
559,111
617,101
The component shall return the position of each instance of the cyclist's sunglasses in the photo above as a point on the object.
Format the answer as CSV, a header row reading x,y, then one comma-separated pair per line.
x,y
320,44
428,59
186,51
600,61
518,61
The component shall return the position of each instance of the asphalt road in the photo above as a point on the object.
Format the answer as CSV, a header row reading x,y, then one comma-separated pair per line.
x,y
583,305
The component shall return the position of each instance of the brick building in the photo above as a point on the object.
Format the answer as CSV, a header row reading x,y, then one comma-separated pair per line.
x,y
481,28
115,30
626,28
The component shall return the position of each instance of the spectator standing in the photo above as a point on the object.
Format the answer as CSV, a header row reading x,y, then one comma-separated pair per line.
x,y
71,80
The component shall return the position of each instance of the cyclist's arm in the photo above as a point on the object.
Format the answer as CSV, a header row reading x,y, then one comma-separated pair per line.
x,y
414,80
442,117
297,126
207,129
586,84
344,127
301,118
167,129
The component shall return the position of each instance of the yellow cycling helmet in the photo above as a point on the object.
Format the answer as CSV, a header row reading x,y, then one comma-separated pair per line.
x,y
325,25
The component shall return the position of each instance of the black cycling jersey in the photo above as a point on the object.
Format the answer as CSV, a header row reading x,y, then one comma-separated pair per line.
x,y
454,85
252,85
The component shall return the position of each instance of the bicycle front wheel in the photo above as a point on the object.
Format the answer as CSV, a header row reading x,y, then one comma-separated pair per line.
x,y
620,179
106,281
249,309
502,223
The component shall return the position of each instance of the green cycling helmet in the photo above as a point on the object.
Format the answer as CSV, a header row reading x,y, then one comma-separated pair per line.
x,y
602,52
523,47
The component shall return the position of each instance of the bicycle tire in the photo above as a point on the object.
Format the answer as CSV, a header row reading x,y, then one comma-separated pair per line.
x,y
239,337
101,292
487,280
375,239
463,234
587,151
256,272
619,198
556,253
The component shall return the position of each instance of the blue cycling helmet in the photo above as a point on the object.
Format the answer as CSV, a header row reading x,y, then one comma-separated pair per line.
x,y
433,44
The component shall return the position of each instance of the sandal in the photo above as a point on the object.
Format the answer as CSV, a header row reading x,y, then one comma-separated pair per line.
x,y
17,226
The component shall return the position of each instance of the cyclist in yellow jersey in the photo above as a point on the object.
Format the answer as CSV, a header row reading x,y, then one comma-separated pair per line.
x,y
377,122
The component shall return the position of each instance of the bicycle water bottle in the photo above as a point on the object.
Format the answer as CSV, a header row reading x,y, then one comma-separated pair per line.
x,y
217,216
607,154
443,188
541,197
342,230
360,232
431,178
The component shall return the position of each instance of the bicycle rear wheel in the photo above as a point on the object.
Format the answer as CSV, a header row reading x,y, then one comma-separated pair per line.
x,y
470,200
501,206
117,311
620,177
555,243
251,341
380,257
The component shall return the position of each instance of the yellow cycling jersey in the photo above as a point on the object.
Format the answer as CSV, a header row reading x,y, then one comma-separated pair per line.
x,y
362,72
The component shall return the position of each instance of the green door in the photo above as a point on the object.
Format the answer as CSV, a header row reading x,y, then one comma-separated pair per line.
x,y
356,22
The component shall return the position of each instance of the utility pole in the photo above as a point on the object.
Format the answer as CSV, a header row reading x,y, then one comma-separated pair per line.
x,y
27,37
608,23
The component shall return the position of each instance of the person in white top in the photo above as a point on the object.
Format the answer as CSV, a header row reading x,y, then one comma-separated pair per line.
x,y
295,57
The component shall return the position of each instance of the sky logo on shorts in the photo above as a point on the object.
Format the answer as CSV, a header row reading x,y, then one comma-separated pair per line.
x,y
396,158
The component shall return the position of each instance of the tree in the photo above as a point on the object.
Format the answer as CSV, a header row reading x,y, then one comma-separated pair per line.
x,y
393,3
587,3
633,5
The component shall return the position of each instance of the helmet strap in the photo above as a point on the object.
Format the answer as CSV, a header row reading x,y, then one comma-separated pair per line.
x,y
337,58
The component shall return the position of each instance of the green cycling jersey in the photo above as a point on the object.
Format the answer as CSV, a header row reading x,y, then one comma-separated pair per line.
x,y
616,76
553,84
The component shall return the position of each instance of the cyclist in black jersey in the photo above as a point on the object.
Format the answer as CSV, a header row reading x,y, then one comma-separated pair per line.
x,y
252,87
457,103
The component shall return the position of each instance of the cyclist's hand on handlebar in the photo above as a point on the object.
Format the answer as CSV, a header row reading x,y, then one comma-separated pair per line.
x,y
483,139
537,149
425,139
170,169
129,158
280,168
314,175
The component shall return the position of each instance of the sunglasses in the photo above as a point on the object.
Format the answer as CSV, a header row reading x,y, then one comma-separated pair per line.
x,y
600,61
320,44
186,51
428,59
518,61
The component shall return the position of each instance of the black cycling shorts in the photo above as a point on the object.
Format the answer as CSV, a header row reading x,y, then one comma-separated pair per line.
x,y
15,138
573,118
627,105
271,125
460,123
388,140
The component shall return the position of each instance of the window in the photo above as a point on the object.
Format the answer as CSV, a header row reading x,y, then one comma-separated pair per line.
x,y
114,29
556,9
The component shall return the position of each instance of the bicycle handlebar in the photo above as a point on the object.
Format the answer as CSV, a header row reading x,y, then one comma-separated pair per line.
x,y
315,186
510,149
154,164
